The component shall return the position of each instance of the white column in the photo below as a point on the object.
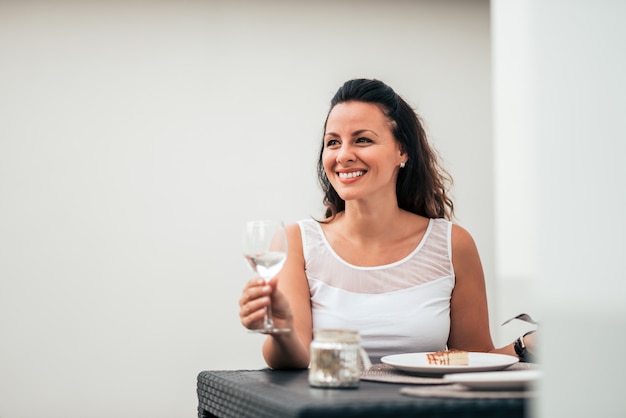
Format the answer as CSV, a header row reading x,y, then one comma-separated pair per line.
x,y
576,106
515,170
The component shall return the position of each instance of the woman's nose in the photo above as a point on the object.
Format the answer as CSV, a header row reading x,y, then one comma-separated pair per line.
x,y
345,154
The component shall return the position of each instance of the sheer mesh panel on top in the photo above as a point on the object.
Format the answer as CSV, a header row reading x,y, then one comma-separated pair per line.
x,y
429,261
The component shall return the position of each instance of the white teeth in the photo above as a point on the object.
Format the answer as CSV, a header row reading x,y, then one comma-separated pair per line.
x,y
351,175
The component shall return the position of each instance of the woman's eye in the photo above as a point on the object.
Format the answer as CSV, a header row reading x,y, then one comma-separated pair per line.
x,y
363,140
331,142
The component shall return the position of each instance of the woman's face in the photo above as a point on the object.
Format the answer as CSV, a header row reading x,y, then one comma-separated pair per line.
x,y
361,156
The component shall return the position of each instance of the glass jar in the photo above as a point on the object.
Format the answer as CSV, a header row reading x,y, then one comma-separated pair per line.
x,y
335,359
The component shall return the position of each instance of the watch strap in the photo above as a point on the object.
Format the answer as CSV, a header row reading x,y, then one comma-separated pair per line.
x,y
521,351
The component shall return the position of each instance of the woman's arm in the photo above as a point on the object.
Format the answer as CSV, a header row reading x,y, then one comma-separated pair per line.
x,y
469,316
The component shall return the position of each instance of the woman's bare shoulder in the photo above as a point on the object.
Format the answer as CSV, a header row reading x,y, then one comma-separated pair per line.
x,y
464,248
294,237
461,236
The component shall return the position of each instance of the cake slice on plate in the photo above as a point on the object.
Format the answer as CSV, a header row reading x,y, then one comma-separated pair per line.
x,y
448,358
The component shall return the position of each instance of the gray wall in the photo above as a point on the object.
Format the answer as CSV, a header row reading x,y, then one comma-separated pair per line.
x,y
136,137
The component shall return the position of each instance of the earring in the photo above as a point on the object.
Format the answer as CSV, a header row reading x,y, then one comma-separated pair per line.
x,y
402,164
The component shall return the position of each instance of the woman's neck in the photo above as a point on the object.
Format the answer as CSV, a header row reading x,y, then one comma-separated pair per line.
x,y
366,220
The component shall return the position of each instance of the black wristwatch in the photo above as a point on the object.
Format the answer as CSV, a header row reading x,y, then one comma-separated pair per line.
x,y
521,351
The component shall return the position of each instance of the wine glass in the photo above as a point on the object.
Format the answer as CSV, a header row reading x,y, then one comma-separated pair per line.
x,y
265,249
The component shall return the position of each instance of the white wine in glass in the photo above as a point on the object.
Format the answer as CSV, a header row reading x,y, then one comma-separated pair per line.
x,y
265,249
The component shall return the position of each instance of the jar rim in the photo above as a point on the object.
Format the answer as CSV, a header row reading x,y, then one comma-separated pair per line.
x,y
336,334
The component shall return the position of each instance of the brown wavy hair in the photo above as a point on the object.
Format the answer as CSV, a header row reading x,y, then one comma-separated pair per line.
x,y
423,184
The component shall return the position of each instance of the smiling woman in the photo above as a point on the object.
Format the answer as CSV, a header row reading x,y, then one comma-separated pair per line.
x,y
375,109
386,261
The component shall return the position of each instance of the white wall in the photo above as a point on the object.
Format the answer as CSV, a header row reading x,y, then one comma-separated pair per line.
x,y
573,76
136,137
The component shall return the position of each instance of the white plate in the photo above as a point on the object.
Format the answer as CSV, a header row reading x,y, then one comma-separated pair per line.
x,y
417,363
517,379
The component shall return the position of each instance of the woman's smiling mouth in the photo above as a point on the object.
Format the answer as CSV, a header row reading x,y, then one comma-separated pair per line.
x,y
351,175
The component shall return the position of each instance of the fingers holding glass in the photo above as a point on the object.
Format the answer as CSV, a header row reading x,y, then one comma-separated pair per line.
x,y
253,302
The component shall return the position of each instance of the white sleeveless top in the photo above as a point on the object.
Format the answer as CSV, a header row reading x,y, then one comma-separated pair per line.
x,y
397,308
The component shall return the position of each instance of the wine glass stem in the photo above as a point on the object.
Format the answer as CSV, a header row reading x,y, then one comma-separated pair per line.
x,y
269,323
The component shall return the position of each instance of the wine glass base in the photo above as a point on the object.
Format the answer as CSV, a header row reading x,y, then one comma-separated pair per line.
x,y
270,330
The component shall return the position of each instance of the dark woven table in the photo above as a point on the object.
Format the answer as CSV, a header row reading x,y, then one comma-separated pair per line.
x,y
275,394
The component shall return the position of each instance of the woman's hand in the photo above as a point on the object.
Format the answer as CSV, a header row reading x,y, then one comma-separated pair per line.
x,y
256,296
